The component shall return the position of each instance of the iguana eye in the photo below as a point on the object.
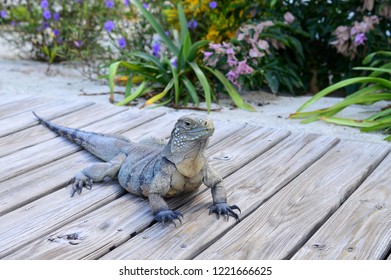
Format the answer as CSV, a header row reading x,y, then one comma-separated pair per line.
x,y
187,123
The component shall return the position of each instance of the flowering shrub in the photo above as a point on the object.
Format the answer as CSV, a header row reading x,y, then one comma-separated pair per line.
x,y
176,80
341,34
254,57
212,20
77,30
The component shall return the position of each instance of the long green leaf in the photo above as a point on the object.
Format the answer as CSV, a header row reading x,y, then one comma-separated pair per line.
x,y
160,95
194,49
192,91
148,58
342,84
138,92
204,83
158,28
185,36
175,77
370,56
381,114
112,72
233,93
377,69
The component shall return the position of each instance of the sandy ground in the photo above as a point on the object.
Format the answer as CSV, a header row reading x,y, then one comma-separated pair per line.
x,y
24,77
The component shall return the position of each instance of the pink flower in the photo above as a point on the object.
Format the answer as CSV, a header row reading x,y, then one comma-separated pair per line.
x,y
233,77
207,54
289,18
360,39
244,68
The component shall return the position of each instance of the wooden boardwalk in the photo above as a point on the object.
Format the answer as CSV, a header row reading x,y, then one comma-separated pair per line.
x,y
303,196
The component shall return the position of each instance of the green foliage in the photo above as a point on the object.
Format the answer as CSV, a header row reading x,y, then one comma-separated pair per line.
x,y
171,82
374,87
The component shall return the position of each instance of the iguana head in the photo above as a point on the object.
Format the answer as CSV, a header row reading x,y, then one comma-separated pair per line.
x,y
188,141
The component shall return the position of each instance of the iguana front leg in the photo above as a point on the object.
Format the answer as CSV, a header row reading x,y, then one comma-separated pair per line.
x,y
155,192
97,172
214,181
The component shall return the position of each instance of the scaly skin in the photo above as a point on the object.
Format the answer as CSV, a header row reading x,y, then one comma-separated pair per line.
x,y
153,169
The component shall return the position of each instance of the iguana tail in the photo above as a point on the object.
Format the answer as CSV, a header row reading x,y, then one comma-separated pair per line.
x,y
103,146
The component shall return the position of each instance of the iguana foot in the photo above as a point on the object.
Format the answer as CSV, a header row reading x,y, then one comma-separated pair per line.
x,y
79,181
168,216
224,209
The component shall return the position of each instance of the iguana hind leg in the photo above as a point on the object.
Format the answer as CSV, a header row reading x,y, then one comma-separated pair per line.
x,y
96,173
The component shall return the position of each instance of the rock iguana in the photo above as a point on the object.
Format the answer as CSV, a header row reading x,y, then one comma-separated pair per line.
x,y
154,170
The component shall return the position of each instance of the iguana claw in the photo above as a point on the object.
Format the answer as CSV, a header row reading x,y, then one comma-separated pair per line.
x,y
224,209
168,216
80,181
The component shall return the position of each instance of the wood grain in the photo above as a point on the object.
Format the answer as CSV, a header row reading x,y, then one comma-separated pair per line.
x,y
135,217
361,228
249,187
28,104
26,119
286,221
36,156
38,133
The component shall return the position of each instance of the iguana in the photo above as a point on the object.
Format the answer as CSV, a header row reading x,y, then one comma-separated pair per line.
x,y
153,169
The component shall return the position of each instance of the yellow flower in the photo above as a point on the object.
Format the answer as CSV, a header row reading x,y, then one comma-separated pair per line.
x,y
213,35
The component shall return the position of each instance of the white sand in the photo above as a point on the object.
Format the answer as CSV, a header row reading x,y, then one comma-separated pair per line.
x,y
24,77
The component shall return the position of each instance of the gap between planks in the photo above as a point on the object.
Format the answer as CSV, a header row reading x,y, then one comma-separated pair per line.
x,y
30,211
278,228
83,247
265,174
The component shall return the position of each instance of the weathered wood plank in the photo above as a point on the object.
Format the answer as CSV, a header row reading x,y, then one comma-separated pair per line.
x,y
278,228
8,98
43,215
135,215
20,106
25,120
36,156
14,192
249,187
36,134
361,228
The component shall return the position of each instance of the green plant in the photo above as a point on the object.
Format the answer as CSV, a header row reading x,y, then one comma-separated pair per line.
x,y
375,87
172,80
262,54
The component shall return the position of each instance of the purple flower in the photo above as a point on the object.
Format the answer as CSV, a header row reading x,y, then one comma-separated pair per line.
x,y
56,32
126,3
174,62
46,14
109,4
156,49
213,5
207,54
56,16
192,24
109,25
45,24
3,13
233,77
243,68
122,43
146,6
44,4
360,39
60,40
78,43
12,23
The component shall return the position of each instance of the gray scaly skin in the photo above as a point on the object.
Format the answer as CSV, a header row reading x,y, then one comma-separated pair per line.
x,y
153,169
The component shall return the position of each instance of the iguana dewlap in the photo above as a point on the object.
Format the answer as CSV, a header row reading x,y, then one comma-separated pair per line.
x,y
153,169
